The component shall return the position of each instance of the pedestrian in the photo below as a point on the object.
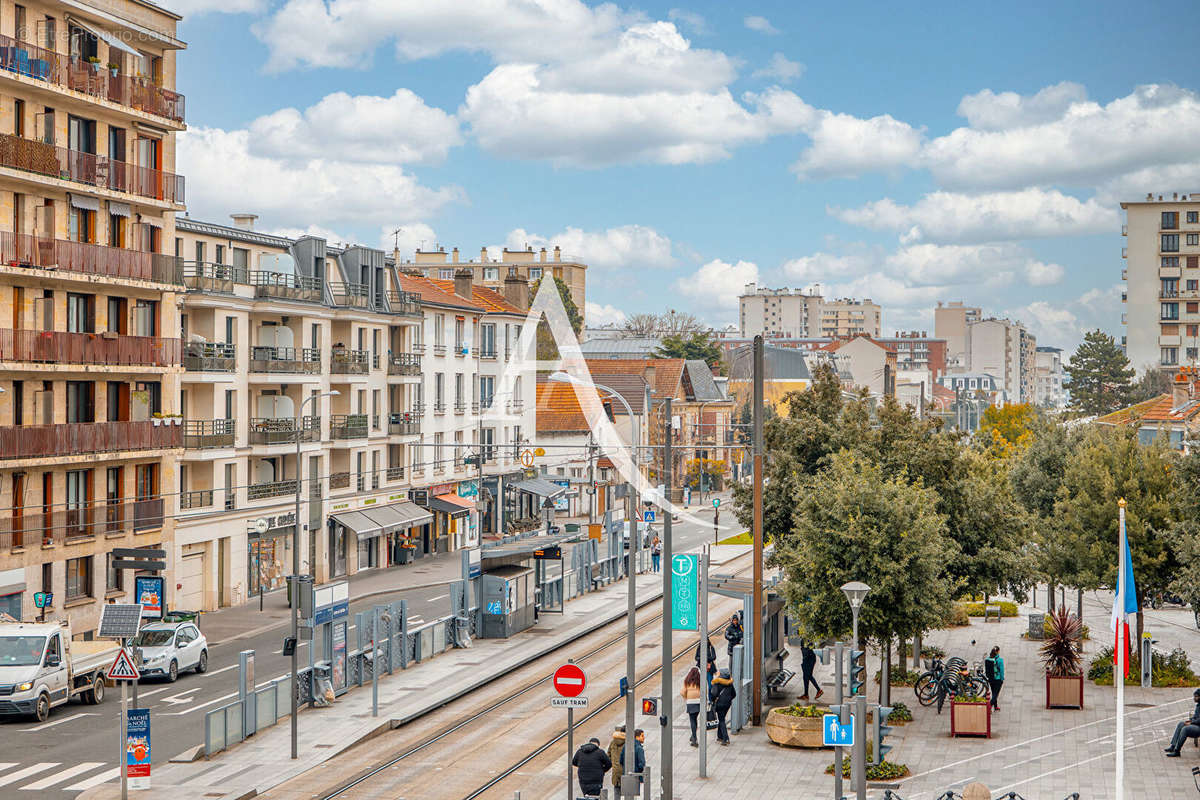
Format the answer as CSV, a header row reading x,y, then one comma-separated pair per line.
x,y
656,554
614,758
993,670
1188,729
808,660
721,695
734,635
592,763
639,754
711,667
691,699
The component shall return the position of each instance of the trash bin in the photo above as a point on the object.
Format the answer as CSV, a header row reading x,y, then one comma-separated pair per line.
x,y
572,527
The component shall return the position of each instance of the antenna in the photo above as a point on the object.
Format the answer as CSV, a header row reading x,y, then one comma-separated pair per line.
x,y
396,238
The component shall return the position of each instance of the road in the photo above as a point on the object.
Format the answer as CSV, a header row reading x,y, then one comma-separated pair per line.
x,y
75,749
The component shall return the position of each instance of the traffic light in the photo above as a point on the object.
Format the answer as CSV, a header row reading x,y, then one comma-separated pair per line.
x,y
858,671
649,706
879,730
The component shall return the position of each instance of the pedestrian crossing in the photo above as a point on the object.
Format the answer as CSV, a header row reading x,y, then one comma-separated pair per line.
x,y
50,775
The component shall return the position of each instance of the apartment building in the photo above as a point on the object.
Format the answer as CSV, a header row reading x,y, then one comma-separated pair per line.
x,y
1162,281
488,272
1049,392
88,341
849,317
951,321
804,314
918,352
1006,350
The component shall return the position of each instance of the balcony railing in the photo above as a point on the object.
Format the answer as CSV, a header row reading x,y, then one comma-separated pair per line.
x,y
406,303
76,438
264,358
209,357
349,362
202,276
439,349
404,423
439,407
201,433
347,426
198,498
349,294
516,406
26,250
395,473
404,364
419,348
31,155
282,430
460,406
285,286
19,528
90,79
261,491
107,349
339,480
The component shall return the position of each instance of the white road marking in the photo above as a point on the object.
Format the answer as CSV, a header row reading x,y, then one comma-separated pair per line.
x,y
25,773
222,669
7,764
1035,758
142,695
1003,789
59,721
95,780
59,777
202,705
179,699
439,597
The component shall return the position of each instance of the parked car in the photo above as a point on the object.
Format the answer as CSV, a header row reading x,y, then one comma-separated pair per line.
x,y
168,648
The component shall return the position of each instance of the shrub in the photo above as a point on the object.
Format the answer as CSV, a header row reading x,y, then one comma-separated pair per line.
x,y
900,713
1007,609
957,617
1059,654
899,676
970,698
801,710
887,771
1086,631
1171,670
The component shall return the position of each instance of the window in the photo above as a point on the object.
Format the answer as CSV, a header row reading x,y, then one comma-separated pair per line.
x,y
446,274
81,225
1193,308
535,274
19,122
241,258
1193,262
361,480
145,317
374,469
199,252
1170,242
487,391
80,406
1193,216
439,330
220,256
1170,311
487,340
491,273
439,448
80,316
439,391
1191,354
1192,330
1193,286
458,390
459,332
1170,287
79,577
1193,238
1170,220
1169,356
1169,261
115,578
489,439
116,230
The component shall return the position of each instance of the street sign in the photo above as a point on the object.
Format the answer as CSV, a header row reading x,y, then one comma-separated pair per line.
x,y
568,702
647,516
685,592
539,451
569,680
43,599
716,502
527,458
138,552
835,734
137,747
118,563
548,553
122,668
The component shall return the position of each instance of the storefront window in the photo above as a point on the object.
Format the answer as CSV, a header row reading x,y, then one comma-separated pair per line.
x,y
368,553
337,550
268,559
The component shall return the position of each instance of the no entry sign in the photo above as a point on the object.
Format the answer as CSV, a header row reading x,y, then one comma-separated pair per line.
x,y
569,680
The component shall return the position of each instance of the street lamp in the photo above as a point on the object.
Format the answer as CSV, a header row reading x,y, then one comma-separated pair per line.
x,y
294,594
855,592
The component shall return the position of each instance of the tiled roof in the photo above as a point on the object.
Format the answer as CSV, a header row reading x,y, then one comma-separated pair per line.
x,y
704,388
1157,409
489,299
836,344
431,292
667,372
558,409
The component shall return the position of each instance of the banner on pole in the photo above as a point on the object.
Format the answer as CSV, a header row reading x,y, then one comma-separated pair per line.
x,y
685,592
137,747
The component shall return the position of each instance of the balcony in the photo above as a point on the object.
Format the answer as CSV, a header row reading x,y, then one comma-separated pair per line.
x,y
395,473
202,276
460,350
104,349
210,357
439,407
349,362
199,498
339,480
404,423
31,155
202,433
418,347
81,438
488,354
439,349
25,250
348,426
516,406
407,304
94,80
282,430
354,295
460,406
285,360
284,286
19,529
403,364
263,491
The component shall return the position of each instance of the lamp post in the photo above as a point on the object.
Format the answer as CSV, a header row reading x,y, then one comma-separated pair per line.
x,y
630,571
295,599
855,591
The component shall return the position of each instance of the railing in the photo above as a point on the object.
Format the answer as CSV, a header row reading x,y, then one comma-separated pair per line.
x,y
347,426
460,407
349,294
261,491
285,286
108,349
489,354
406,303
404,423
76,438
419,348
208,433
516,406
209,357
403,364
282,430
265,358
418,409
32,155
459,350
202,276
198,498
439,407
395,473
27,250
64,525
339,480
439,349
349,362
90,79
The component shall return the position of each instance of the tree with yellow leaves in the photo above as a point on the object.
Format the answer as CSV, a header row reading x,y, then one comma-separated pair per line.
x,y
1007,430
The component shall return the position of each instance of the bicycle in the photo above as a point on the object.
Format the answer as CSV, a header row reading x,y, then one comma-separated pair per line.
x,y
926,686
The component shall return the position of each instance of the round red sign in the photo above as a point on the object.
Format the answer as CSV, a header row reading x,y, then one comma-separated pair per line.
x,y
569,680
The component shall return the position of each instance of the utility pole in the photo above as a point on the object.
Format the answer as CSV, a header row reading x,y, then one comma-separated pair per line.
x,y
757,620
667,695
591,482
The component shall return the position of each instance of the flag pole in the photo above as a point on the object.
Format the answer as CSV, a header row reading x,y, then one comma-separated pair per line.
x,y
1119,672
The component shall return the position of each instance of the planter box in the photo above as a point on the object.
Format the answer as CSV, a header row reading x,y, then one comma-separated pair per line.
x,y
793,731
1064,692
970,719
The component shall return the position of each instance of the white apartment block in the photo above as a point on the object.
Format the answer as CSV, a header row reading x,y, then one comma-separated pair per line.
x,y
804,314
1162,281
1049,392
1001,348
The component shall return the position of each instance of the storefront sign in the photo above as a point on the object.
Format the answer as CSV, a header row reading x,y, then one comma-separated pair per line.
x,y
148,589
563,501
339,507
137,747
468,489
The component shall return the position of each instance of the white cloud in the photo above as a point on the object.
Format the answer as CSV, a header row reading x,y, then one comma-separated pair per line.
x,y
694,22
821,267
845,146
715,286
598,314
1064,324
631,247
935,265
951,217
411,237
760,24
320,231
989,111
780,68
400,129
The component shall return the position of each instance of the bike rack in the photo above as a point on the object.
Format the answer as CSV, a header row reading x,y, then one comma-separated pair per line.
x,y
888,794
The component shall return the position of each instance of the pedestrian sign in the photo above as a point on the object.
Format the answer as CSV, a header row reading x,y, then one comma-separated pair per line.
x,y
685,592
648,516
123,668
835,734
716,502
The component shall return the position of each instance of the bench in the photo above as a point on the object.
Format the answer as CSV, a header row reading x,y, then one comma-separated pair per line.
x,y
777,680
989,610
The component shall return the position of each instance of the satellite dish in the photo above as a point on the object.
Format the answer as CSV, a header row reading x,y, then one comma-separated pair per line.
x,y
260,525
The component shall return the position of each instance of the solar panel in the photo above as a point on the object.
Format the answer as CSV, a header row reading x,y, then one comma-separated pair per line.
x,y
120,620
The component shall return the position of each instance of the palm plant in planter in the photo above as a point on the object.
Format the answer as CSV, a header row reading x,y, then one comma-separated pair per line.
x,y
1062,660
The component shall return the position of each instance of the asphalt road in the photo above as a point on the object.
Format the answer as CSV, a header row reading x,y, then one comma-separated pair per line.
x,y
76,748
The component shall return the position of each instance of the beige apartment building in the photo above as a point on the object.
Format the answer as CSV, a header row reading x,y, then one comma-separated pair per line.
x,y
849,317
1162,281
804,314
952,321
89,344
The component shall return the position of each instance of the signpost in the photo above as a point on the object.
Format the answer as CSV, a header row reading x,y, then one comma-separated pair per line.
x,y
123,668
685,592
648,515
834,733
569,681
716,502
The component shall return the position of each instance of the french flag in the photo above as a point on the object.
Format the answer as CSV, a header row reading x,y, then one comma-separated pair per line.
x,y
1124,606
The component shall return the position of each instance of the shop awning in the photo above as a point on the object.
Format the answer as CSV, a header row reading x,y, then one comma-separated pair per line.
x,y
113,40
83,202
363,526
397,517
541,487
452,504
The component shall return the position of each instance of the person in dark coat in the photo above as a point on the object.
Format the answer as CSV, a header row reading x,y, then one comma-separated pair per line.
x,y
592,763
733,635
808,660
711,669
614,758
721,695
639,754
1186,729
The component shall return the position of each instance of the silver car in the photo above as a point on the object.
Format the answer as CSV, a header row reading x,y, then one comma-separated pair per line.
x,y
168,648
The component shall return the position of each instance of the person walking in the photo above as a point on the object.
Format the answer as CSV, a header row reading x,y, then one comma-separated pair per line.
x,y
656,553
808,660
734,635
1188,729
639,754
711,667
614,758
993,670
691,699
721,694
591,763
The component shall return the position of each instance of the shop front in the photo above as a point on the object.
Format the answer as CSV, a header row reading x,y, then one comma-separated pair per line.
x,y
400,524
347,526
456,522
269,554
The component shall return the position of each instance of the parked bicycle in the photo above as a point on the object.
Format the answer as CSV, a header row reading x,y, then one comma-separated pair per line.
x,y
950,680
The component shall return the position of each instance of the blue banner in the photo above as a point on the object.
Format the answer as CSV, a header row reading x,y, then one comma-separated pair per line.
x,y
685,592
137,747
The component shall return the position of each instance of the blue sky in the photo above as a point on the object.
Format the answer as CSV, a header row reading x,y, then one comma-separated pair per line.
x,y
943,152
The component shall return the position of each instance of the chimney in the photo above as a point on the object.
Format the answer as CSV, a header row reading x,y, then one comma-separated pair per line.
x,y
542,255
516,291
557,253
454,256
1181,390
244,221
483,255
462,282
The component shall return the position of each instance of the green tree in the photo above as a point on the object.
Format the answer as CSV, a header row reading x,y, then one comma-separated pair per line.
x,y
700,346
547,350
1153,381
1100,375
1186,533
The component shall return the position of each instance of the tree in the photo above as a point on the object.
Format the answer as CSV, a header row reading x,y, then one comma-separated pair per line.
x,y
1186,533
1153,381
547,350
1100,375
670,323
1008,429
700,346
1036,477
641,324
712,467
